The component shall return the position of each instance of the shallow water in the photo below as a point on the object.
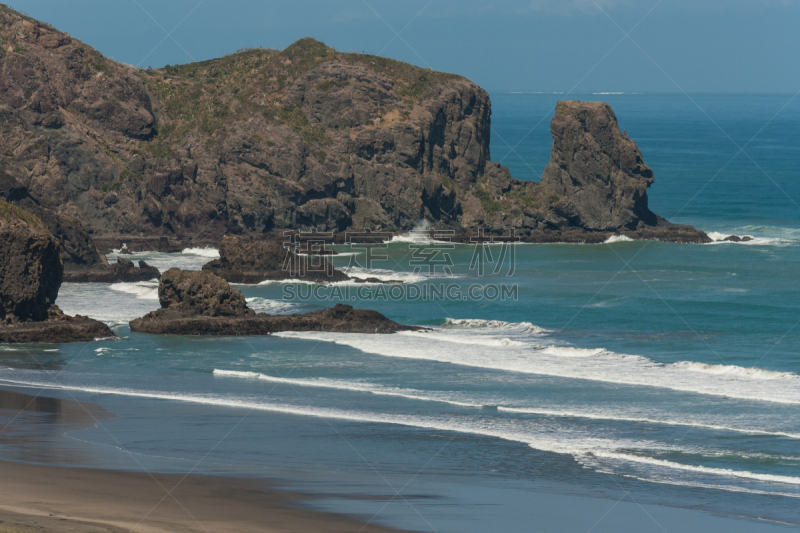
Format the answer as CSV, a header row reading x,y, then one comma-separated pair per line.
x,y
670,371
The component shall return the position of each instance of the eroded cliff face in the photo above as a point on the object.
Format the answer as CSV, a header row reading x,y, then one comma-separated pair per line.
x,y
260,140
307,137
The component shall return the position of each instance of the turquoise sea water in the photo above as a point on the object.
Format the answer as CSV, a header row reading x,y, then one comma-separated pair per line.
x,y
653,373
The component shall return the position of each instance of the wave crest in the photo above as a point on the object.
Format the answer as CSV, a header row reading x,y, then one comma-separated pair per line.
x,y
143,290
478,323
734,371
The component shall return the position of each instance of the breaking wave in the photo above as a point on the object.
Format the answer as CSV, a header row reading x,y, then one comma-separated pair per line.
x,y
617,238
212,253
500,349
143,290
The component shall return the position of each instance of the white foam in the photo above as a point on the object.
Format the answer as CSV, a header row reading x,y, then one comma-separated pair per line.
x,y
213,253
740,474
236,374
719,238
187,260
143,290
421,233
567,351
295,281
599,415
617,238
382,275
566,362
271,306
475,340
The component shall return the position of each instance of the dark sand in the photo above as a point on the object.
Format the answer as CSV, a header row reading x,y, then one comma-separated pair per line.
x,y
53,499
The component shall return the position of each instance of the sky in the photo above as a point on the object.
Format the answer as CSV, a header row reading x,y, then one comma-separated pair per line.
x,y
504,46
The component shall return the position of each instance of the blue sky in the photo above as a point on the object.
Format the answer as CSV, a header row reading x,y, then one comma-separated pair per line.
x,y
512,45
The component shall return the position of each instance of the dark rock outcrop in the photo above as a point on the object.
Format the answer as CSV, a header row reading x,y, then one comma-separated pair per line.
x,y
202,303
598,172
121,271
261,260
57,328
183,293
736,238
30,266
31,271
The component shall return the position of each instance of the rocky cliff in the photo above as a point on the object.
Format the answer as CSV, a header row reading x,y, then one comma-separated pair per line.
x,y
31,271
266,140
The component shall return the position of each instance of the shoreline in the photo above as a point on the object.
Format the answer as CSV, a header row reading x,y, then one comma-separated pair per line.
x,y
82,500
62,499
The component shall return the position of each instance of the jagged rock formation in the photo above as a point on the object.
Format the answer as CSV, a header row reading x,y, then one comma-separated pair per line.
x,y
199,293
202,303
599,168
257,261
266,140
31,271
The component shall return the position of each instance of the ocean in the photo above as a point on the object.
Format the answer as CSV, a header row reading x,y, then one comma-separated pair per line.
x,y
558,386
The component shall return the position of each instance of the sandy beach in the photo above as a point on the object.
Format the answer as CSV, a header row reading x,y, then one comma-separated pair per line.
x,y
53,499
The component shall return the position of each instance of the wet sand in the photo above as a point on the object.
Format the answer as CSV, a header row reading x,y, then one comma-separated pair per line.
x,y
54,499
35,497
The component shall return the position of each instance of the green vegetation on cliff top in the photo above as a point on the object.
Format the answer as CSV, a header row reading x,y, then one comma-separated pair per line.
x,y
205,95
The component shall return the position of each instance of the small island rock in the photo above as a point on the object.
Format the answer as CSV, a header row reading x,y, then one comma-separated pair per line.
x,y
202,303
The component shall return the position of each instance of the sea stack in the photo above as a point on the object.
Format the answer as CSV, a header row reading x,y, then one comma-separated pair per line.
x,y
600,173
31,271
598,167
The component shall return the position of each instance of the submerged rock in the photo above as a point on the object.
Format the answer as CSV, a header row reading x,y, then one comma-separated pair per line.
x,y
31,271
202,303
736,238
